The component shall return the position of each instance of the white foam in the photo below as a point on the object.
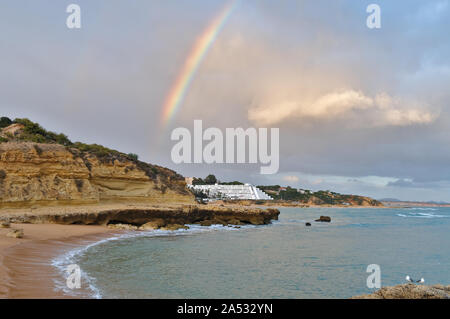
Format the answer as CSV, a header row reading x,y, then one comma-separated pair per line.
x,y
421,215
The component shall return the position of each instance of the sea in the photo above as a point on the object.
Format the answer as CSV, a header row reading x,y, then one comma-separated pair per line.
x,y
285,259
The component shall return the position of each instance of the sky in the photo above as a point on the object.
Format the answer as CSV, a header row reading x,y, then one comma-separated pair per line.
x,y
361,111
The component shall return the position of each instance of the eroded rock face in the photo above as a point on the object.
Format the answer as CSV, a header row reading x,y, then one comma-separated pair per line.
x,y
410,291
33,173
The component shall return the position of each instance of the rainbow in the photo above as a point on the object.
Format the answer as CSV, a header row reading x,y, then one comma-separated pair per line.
x,y
192,63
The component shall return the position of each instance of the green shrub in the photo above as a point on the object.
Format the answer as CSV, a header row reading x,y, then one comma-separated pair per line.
x,y
62,139
198,181
232,183
270,187
33,132
4,122
98,150
210,179
133,157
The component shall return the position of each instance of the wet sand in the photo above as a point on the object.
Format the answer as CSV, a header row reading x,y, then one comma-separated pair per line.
x,y
25,263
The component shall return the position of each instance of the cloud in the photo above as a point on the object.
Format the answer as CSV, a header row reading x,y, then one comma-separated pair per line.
x,y
402,112
402,183
380,110
411,183
291,179
433,10
317,181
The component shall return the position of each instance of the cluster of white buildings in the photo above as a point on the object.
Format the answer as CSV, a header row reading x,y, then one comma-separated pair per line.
x,y
236,192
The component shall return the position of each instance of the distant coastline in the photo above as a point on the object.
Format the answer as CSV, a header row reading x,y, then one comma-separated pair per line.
x,y
291,203
405,204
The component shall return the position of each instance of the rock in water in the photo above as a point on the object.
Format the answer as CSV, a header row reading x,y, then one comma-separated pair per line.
x,y
155,224
122,226
308,224
206,222
235,222
325,219
15,233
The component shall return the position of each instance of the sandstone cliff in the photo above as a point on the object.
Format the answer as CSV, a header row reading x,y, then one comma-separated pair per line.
x,y
35,173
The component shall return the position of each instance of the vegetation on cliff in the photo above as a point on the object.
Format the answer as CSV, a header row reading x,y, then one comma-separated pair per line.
x,y
320,197
211,180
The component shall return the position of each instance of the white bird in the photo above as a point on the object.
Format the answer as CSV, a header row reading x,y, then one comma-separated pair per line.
x,y
421,281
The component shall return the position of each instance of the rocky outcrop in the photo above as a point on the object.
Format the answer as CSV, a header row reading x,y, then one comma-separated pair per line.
x,y
410,291
174,227
324,219
156,217
5,225
15,233
49,174
154,224
123,226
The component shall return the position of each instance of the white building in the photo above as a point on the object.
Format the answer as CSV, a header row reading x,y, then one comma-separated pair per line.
x,y
217,191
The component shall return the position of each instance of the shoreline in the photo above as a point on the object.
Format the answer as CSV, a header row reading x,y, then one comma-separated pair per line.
x,y
26,270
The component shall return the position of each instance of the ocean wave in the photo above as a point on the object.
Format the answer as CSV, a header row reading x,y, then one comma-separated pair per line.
x,y
72,256
421,215
423,208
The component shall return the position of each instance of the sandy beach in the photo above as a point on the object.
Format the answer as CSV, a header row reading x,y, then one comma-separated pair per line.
x,y
25,263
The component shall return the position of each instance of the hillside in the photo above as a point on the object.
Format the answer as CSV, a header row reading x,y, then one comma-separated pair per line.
x,y
38,166
289,196
307,197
